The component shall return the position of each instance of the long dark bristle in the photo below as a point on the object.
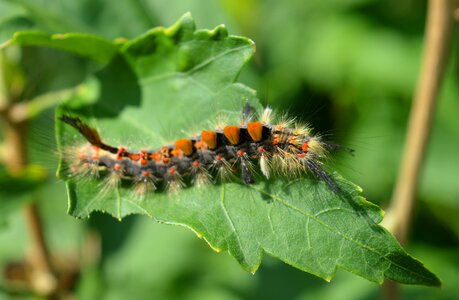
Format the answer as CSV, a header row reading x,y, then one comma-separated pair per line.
x,y
333,147
247,176
321,174
247,113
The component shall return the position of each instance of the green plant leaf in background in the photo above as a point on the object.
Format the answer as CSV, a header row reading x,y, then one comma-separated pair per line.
x,y
86,45
174,79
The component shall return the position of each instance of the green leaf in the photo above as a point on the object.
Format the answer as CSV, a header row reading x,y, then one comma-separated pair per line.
x,y
91,46
184,81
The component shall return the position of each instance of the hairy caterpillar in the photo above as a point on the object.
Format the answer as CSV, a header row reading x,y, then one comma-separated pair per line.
x,y
215,155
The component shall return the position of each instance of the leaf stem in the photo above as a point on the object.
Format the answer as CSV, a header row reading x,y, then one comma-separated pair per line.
x,y
437,46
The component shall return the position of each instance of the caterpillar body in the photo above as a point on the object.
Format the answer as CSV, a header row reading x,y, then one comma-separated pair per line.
x,y
213,156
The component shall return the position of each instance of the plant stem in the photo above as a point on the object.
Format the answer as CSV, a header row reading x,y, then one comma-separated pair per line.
x,y
437,44
43,279
437,47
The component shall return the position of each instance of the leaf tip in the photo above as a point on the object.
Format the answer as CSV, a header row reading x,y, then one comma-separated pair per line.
x,y
254,269
186,21
253,45
435,281
186,16
417,272
382,213
219,32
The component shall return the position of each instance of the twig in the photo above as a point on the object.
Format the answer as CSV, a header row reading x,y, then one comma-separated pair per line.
x,y
437,47
43,280
437,44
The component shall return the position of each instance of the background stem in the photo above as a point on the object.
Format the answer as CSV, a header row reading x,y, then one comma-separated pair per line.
x,y
436,51
437,46
43,279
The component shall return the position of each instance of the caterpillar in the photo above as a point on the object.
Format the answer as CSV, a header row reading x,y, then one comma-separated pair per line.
x,y
284,148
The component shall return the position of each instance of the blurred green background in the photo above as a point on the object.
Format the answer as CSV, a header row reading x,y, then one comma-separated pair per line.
x,y
347,67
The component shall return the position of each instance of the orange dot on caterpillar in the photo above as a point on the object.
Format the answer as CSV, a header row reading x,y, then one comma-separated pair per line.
x,y
209,138
232,133
255,130
185,145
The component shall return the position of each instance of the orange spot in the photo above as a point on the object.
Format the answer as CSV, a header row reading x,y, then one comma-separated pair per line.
x,y
117,167
156,156
275,141
301,154
185,145
176,152
145,173
240,153
143,162
261,149
199,145
218,157
232,134
165,160
171,171
134,157
305,147
196,164
255,130
210,138
164,150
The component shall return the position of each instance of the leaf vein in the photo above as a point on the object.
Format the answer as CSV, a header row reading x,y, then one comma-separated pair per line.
x,y
227,216
336,231
213,58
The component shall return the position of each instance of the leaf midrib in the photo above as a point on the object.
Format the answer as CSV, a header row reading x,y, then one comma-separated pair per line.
x,y
227,216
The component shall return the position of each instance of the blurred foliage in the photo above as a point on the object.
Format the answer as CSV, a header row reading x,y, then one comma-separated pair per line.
x,y
347,67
